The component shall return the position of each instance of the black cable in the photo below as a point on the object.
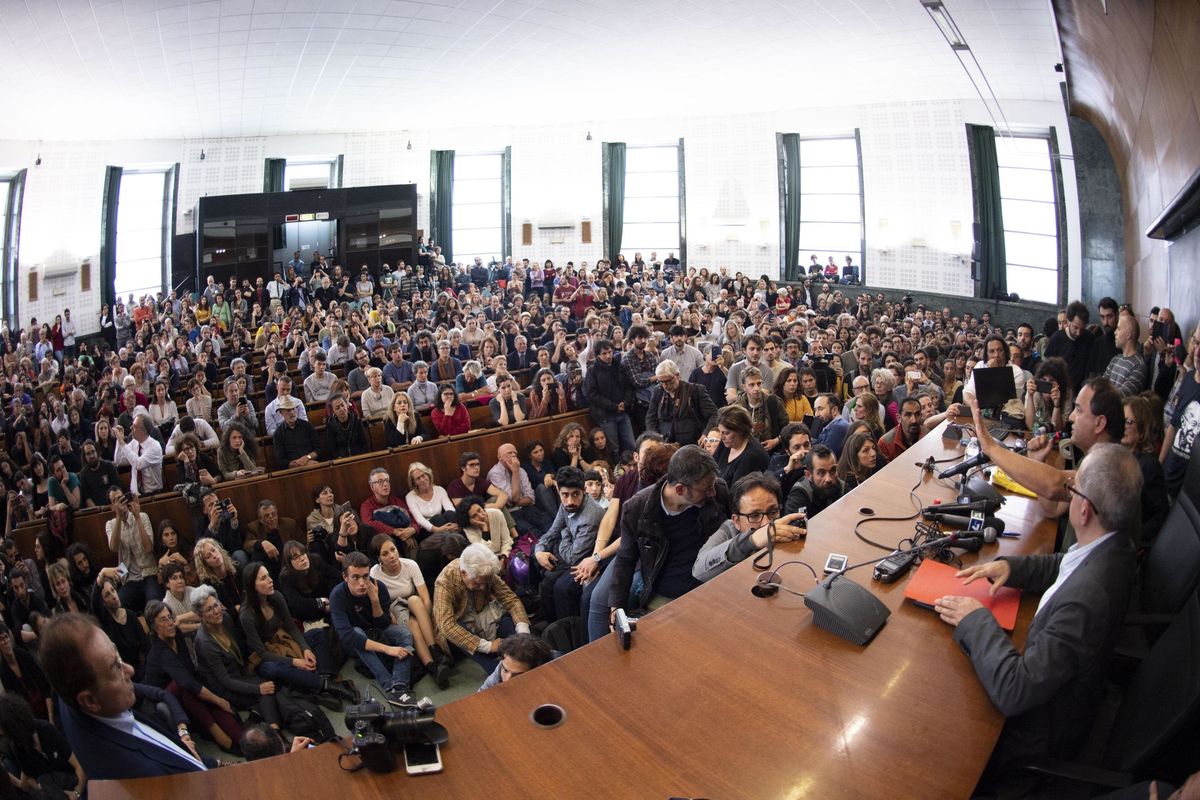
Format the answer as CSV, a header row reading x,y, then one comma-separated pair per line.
x,y
770,551
770,581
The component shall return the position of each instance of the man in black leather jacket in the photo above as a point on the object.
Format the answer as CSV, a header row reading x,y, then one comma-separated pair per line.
x,y
663,527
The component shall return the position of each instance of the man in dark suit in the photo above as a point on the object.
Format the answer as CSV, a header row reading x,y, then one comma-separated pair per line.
x,y
95,700
521,357
1050,692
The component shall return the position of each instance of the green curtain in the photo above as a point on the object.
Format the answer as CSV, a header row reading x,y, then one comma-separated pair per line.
x,y
441,201
273,174
613,166
992,266
789,201
506,245
11,237
108,235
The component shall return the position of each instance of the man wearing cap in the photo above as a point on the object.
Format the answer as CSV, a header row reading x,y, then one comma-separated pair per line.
x,y
273,414
296,443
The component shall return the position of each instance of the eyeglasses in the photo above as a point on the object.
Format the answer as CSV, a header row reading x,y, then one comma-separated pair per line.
x,y
759,517
1070,486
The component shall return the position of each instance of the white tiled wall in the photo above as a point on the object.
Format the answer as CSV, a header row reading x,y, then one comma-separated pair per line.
x,y
917,185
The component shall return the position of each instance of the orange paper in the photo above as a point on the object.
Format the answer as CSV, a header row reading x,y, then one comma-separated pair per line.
x,y
933,580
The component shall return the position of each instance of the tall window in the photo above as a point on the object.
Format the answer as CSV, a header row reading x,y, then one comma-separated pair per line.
x,y
1028,200
478,213
651,201
831,200
311,173
141,242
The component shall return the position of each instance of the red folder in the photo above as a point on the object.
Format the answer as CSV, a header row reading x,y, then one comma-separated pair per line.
x,y
933,580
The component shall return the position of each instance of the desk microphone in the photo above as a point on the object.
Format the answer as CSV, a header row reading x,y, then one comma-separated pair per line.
x,y
973,541
846,609
977,521
965,466
985,506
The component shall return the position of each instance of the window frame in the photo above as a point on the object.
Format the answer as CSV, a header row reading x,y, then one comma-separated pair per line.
x,y
502,205
331,163
164,227
802,261
679,197
1053,172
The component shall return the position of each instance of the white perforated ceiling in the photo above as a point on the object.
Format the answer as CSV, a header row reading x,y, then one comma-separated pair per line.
x,y
169,68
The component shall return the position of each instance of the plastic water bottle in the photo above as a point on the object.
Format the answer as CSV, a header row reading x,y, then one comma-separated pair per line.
x,y
972,447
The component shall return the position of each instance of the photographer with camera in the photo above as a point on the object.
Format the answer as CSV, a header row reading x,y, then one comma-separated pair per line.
x,y
360,610
220,522
142,453
128,535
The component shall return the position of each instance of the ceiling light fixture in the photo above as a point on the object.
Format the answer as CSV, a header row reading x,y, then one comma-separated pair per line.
x,y
969,63
945,23
202,156
589,136
38,162
409,145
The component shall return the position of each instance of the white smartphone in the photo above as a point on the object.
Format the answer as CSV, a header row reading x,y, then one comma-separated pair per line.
x,y
835,563
420,759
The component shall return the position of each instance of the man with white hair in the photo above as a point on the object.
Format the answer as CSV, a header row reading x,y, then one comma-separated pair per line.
x,y
678,411
473,609
1060,674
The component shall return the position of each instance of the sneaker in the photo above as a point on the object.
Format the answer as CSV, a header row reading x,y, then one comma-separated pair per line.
x,y
441,673
399,696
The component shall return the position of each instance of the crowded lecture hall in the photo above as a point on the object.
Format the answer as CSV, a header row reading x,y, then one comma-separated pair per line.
x,y
369,428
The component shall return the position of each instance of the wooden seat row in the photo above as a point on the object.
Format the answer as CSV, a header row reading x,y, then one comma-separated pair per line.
x,y
291,489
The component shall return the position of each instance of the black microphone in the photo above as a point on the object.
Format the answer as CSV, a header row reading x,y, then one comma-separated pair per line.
x,y
964,523
986,506
965,466
973,541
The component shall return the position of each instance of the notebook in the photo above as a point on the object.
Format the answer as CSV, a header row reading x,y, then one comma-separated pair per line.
x,y
933,579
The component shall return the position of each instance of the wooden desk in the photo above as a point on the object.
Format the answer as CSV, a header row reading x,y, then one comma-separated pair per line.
x,y
723,695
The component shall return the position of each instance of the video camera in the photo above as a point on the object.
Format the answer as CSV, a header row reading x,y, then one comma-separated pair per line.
x,y
375,726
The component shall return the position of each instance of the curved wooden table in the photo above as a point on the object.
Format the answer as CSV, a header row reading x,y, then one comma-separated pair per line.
x,y
723,695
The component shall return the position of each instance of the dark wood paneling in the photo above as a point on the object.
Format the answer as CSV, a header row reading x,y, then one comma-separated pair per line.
x,y
1133,71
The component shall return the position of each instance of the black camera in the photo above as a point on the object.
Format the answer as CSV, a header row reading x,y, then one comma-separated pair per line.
x,y
190,492
407,725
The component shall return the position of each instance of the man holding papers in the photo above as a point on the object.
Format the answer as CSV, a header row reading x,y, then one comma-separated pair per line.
x,y
1051,691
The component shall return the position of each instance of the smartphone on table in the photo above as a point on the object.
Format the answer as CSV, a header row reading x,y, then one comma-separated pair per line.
x,y
420,759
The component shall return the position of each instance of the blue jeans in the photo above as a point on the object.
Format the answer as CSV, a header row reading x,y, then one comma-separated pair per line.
x,y
619,431
593,605
489,661
284,673
397,676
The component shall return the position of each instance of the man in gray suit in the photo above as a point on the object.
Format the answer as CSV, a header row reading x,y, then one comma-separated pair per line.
x,y
1051,691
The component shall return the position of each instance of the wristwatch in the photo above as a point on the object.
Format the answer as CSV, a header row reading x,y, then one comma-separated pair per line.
x,y
597,558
